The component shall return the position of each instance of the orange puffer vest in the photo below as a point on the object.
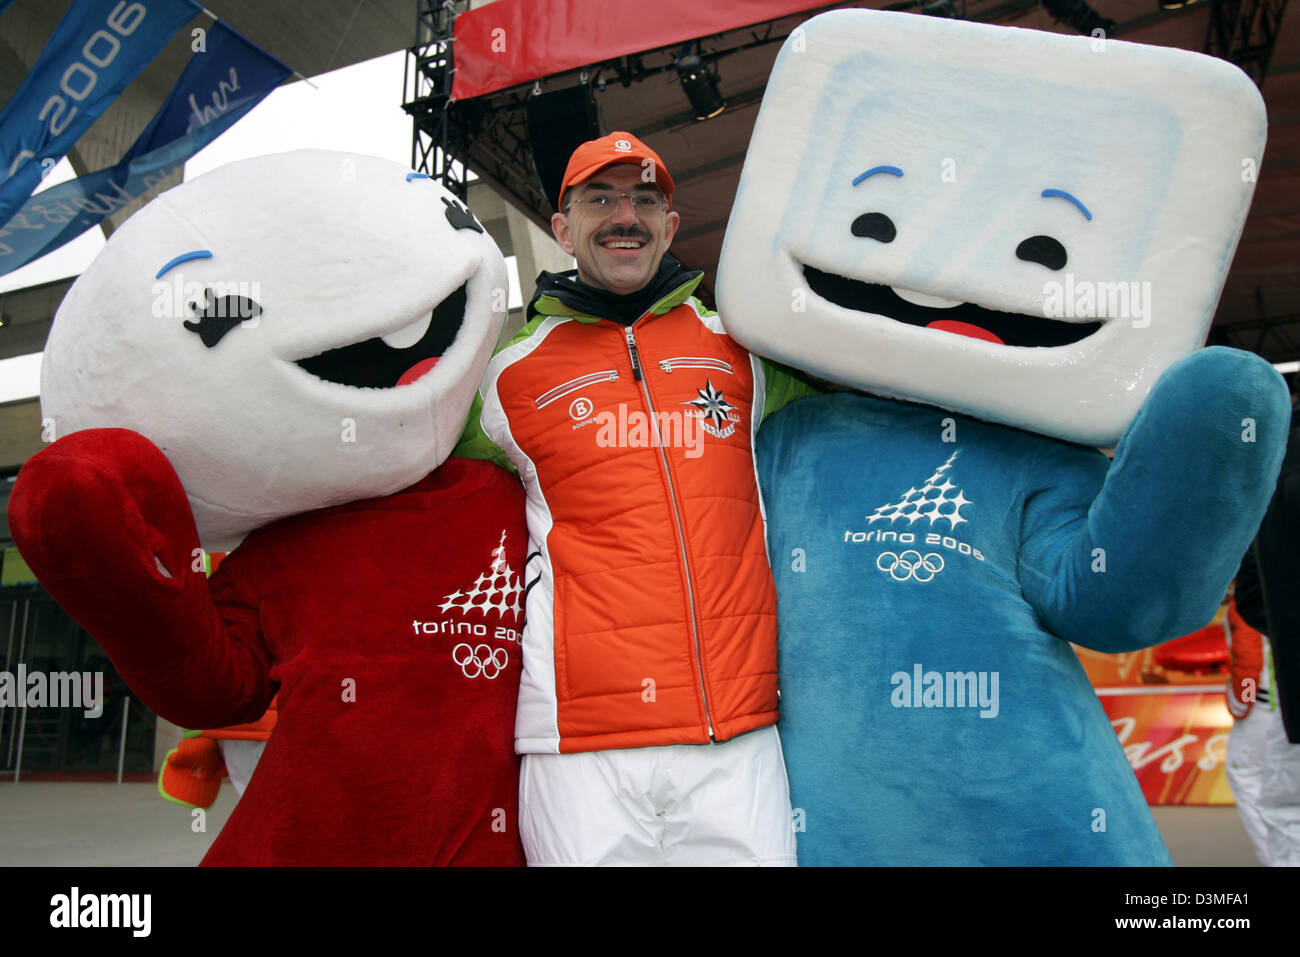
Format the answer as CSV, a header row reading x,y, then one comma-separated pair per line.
x,y
651,612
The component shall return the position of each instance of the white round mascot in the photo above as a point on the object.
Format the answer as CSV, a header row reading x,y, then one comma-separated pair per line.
x,y
278,358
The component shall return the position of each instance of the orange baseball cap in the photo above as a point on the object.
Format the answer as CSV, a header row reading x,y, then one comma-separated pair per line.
x,y
618,147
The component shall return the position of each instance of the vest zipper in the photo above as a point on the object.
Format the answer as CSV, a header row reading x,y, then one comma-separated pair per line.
x,y
694,362
677,517
573,385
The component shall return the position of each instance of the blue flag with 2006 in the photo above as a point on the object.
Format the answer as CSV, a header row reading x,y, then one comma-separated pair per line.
x,y
222,82
96,50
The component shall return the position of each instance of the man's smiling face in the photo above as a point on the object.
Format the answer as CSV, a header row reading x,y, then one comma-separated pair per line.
x,y
617,249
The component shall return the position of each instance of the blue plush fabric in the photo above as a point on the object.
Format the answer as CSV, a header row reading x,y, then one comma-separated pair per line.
x,y
1019,543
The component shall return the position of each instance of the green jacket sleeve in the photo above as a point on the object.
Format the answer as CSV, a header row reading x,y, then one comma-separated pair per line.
x,y
784,385
474,443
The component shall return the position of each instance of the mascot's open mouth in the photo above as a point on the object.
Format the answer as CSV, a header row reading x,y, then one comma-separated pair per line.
x,y
967,319
374,364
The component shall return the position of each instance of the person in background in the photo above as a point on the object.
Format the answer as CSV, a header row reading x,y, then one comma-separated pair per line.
x,y
1264,688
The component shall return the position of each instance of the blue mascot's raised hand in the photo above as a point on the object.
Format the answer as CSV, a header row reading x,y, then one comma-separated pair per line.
x,y
1192,476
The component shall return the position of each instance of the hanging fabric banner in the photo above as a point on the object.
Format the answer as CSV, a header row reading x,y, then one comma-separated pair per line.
x,y
223,81
96,50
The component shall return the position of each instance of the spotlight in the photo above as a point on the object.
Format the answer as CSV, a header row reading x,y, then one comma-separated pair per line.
x,y
1078,14
701,87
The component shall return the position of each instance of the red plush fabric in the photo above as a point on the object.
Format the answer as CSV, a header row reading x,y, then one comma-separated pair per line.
x,y
259,730
387,750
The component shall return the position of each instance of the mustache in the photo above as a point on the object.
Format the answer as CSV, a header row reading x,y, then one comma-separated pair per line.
x,y
624,232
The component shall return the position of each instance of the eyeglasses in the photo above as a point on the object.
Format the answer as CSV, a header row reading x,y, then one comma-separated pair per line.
x,y
608,202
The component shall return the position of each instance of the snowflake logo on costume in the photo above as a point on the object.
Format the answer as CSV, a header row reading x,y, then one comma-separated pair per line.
x,y
712,405
932,500
499,587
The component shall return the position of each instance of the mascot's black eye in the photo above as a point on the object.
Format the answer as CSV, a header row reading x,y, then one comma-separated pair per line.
x,y
1042,249
874,226
459,216
219,316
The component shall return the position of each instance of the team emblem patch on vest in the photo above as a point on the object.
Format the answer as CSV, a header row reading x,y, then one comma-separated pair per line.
x,y
717,416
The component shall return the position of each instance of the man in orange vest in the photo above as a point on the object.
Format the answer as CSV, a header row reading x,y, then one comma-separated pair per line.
x,y
649,695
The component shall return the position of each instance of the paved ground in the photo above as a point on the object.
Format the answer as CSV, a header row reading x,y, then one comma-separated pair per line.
x,y
72,823
61,823
1204,836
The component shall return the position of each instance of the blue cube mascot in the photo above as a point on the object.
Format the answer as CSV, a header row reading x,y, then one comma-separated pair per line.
x,y
1005,248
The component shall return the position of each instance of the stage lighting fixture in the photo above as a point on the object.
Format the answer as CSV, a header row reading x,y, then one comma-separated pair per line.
x,y
701,87
1078,14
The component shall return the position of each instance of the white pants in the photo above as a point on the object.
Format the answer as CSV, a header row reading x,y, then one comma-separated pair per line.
x,y
678,805
1264,774
241,759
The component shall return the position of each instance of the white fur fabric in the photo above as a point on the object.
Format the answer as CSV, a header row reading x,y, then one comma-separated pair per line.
x,y
1160,146
336,249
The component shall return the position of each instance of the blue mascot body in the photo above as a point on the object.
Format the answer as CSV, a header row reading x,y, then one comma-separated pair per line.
x,y
934,585
917,223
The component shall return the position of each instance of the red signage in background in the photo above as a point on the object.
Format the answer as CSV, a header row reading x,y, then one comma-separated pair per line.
x,y
1167,707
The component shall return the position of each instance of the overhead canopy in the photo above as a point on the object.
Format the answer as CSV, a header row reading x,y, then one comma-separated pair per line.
x,y
623,52
510,42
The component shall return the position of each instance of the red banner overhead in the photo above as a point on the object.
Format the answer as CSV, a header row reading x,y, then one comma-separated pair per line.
x,y
510,42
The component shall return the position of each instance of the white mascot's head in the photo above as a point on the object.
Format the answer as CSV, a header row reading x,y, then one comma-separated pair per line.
x,y
1019,225
293,331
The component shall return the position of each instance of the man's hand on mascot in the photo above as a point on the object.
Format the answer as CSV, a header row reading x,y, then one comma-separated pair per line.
x,y
104,498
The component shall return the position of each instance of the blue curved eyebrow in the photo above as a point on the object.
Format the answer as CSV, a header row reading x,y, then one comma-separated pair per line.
x,y
184,258
877,169
411,176
1064,195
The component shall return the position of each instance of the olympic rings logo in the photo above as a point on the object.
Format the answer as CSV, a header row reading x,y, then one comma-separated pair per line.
x,y
910,564
480,660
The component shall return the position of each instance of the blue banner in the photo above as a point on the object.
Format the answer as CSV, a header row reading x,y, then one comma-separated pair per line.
x,y
221,83
96,50
4,4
